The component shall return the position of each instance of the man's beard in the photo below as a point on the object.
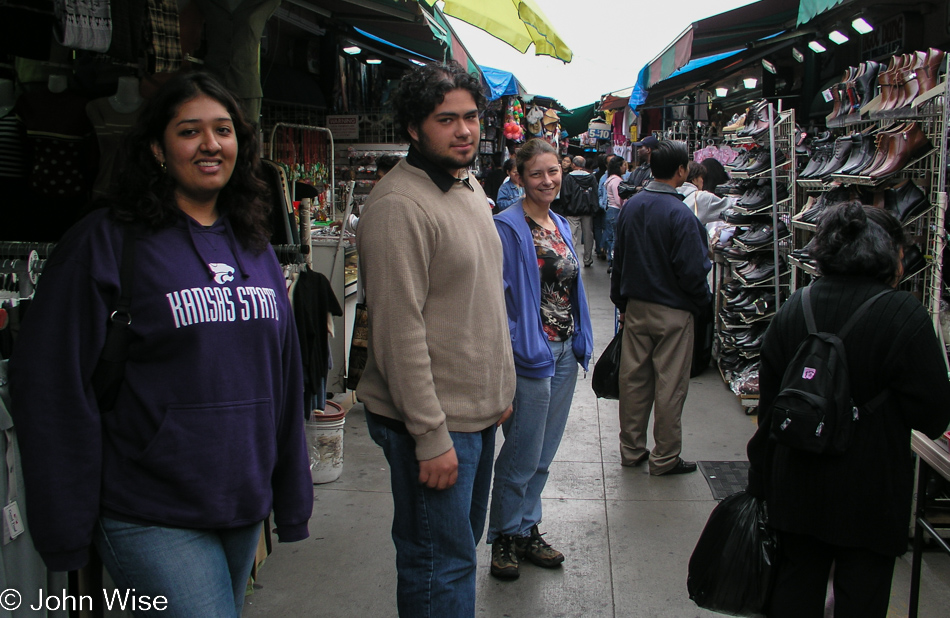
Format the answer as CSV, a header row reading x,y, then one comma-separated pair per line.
x,y
443,160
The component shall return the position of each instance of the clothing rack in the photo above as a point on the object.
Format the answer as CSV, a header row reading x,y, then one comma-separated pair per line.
x,y
18,276
291,254
19,249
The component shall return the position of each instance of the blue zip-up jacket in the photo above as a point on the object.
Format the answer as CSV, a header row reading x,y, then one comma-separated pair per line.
x,y
533,358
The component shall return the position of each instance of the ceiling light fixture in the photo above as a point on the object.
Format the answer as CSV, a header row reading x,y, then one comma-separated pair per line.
x,y
721,92
768,66
837,37
373,61
417,62
798,55
861,25
352,50
749,82
817,47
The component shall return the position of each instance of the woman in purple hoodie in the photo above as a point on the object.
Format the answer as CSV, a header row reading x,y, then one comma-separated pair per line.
x,y
205,437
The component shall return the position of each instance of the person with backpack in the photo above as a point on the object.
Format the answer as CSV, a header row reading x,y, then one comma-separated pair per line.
x,y
838,489
578,203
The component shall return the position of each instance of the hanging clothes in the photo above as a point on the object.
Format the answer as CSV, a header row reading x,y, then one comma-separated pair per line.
x,y
314,303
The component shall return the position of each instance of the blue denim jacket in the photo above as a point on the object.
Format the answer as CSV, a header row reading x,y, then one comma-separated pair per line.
x,y
522,278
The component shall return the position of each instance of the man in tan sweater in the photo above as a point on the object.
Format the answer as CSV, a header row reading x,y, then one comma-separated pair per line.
x,y
440,374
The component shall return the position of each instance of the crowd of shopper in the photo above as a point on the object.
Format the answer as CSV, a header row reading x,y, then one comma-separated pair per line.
x,y
475,322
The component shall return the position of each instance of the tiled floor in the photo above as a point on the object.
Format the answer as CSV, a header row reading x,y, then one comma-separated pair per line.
x,y
627,536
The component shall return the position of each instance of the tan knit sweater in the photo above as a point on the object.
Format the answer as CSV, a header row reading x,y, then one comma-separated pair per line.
x,y
440,355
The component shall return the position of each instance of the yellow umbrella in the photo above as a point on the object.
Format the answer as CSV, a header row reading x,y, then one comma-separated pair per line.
x,y
516,22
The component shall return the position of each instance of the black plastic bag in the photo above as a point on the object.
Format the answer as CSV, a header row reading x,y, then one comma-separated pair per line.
x,y
606,378
733,565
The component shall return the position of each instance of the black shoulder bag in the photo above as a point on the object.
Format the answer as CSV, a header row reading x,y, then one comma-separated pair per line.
x,y
110,370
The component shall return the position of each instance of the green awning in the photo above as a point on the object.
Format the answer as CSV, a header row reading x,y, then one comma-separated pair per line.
x,y
576,123
809,9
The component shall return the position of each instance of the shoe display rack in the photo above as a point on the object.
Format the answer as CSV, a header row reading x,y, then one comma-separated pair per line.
x,y
751,273
887,150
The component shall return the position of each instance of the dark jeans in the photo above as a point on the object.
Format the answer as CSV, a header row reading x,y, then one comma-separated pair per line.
x,y
862,580
599,224
435,531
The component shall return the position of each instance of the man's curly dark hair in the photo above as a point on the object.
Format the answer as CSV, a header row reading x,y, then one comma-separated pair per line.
x,y
146,194
425,87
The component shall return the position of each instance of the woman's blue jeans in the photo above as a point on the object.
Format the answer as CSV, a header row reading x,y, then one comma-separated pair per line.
x,y
532,436
610,231
202,573
436,531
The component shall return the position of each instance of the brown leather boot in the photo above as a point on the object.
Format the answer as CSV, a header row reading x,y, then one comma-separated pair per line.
x,y
903,147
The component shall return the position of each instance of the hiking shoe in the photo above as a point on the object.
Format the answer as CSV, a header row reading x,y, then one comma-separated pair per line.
x,y
538,551
504,557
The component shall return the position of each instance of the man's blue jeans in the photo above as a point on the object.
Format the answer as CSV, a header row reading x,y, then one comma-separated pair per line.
x,y
532,436
435,531
202,573
610,232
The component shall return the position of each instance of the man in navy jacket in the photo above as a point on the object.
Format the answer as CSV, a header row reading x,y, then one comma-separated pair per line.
x,y
661,259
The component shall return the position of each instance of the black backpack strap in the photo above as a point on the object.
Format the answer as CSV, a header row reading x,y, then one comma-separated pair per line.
x,y
809,312
110,370
857,314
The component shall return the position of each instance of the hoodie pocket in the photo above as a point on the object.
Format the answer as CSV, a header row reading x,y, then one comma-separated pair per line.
x,y
220,453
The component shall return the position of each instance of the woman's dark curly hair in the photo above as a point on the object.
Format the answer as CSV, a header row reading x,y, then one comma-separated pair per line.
x,y
615,167
146,194
849,242
421,90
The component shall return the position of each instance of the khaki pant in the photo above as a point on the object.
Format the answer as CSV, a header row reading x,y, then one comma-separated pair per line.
x,y
582,228
654,374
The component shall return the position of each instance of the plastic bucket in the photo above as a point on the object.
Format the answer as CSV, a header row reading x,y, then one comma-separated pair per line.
x,y
325,443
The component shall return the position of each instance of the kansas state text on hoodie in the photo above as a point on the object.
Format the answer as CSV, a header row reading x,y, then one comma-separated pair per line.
x,y
207,430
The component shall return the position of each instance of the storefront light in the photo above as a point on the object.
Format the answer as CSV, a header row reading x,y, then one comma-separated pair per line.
x,y
837,37
817,47
861,25
417,62
721,92
352,50
798,55
750,82
373,61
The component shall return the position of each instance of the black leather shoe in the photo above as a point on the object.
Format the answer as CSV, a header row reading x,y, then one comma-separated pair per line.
x,y
906,201
681,467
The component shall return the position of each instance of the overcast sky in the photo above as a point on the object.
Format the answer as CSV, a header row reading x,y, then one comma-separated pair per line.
x,y
611,41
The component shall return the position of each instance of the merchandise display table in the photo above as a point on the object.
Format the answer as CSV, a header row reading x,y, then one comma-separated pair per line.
x,y
932,458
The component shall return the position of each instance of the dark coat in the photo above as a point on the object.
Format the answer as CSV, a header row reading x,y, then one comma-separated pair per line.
x,y
860,499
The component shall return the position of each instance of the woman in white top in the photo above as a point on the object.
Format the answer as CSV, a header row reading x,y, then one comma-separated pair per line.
x,y
705,205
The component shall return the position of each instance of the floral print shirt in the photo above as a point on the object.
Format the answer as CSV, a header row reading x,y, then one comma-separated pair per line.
x,y
558,271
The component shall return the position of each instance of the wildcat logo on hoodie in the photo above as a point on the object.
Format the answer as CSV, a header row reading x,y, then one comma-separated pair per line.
x,y
222,273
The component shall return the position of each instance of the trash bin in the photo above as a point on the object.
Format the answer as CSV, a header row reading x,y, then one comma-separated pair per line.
x,y
325,443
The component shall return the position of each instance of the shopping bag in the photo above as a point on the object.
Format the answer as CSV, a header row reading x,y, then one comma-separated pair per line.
x,y
606,378
732,567
358,347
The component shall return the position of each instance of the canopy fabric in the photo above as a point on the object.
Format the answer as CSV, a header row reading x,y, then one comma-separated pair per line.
x,y
520,23
443,31
809,9
721,33
612,102
501,83
373,37
640,90
576,122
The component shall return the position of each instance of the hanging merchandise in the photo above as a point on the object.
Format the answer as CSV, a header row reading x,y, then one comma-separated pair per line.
x,y
513,130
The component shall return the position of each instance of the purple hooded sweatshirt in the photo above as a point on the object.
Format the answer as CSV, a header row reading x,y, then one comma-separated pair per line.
x,y
207,431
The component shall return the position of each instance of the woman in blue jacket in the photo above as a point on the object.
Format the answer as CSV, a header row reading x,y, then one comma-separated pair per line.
x,y
550,335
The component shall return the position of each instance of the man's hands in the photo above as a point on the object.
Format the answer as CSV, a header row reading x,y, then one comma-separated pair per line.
x,y
440,472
